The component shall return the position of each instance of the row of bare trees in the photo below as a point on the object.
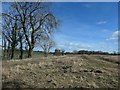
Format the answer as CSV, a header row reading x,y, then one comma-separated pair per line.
x,y
27,24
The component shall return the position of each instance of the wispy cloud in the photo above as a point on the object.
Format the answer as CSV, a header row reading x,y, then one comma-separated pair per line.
x,y
101,22
70,46
87,5
105,30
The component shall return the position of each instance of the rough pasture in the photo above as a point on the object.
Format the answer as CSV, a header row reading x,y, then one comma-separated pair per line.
x,y
68,71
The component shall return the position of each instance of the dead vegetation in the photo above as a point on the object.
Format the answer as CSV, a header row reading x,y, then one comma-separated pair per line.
x,y
74,71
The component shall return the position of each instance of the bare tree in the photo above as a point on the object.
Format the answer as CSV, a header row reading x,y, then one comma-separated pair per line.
x,y
10,34
46,43
33,17
21,42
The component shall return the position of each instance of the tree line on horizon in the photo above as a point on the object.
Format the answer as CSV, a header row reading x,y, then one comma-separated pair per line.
x,y
88,52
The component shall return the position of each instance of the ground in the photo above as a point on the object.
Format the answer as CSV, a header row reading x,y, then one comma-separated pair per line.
x,y
68,71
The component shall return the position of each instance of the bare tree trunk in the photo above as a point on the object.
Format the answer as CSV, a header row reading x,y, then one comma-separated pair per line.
x,y
45,54
12,53
30,53
8,51
21,48
4,48
12,50
13,46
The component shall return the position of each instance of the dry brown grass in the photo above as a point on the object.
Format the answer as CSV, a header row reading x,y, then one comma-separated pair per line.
x,y
72,71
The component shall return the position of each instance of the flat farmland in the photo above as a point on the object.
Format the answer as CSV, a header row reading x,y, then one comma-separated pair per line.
x,y
68,71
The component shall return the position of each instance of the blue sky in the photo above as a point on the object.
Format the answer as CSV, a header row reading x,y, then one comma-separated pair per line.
x,y
90,26
86,26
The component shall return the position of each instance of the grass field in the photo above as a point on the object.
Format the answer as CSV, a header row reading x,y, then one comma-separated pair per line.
x,y
68,71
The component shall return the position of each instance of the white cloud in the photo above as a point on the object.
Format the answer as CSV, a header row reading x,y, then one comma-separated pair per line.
x,y
101,22
115,36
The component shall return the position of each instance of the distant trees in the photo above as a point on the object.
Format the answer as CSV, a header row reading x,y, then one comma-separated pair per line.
x,y
59,52
91,52
75,51
63,51
88,52
25,23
